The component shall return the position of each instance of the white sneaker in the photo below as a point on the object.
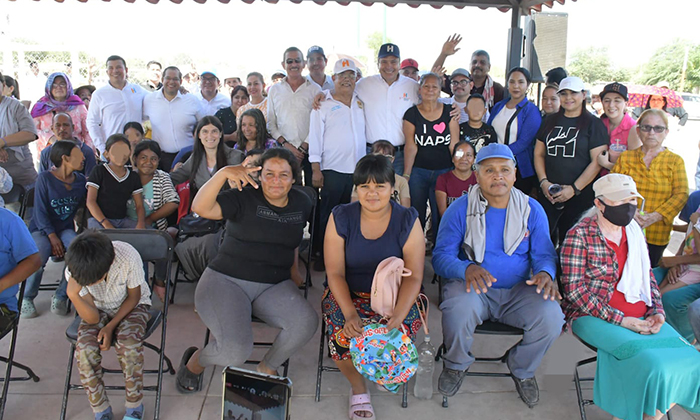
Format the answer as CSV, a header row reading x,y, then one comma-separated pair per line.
x,y
28,309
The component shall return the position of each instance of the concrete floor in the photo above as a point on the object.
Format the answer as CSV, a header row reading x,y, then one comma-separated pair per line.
x,y
43,347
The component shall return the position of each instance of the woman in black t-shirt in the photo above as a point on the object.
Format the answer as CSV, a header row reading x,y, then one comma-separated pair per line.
x,y
430,135
566,158
254,272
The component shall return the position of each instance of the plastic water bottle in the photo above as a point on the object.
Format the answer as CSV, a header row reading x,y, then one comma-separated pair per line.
x,y
424,375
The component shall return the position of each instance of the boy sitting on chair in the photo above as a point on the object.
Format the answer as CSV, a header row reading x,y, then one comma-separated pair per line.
x,y
108,289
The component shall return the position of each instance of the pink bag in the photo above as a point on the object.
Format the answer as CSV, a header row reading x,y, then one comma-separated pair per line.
x,y
385,289
386,284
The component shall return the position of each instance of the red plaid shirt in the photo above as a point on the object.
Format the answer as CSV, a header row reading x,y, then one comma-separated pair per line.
x,y
590,274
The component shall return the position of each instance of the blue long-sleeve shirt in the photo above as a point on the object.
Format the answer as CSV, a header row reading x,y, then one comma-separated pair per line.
x,y
54,204
90,161
534,254
529,121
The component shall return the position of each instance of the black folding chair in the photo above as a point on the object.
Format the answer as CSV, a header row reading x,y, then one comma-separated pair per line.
x,y
323,368
20,195
10,359
487,328
153,246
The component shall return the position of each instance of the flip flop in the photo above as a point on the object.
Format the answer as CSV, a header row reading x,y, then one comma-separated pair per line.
x,y
187,382
360,402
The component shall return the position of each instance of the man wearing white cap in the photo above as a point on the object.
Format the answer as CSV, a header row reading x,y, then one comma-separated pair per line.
x,y
336,141
212,100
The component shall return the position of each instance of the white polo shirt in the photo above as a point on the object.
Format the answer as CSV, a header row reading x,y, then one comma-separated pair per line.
x,y
337,134
288,111
173,121
111,108
385,106
463,116
327,84
210,107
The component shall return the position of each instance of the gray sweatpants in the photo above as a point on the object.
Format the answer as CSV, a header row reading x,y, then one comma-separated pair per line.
x,y
520,306
225,305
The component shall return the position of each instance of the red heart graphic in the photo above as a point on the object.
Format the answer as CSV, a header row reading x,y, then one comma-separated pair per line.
x,y
440,128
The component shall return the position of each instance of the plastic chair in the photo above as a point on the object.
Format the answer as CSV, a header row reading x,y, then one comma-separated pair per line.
x,y
10,359
22,196
487,328
153,246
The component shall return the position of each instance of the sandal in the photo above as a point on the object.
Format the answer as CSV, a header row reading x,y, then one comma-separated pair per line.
x,y
359,403
187,382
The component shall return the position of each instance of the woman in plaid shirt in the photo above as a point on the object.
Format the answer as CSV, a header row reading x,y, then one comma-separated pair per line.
x,y
612,302
661,178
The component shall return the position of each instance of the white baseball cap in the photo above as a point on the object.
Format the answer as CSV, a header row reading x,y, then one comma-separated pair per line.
x,y
571,83
616,187
344,64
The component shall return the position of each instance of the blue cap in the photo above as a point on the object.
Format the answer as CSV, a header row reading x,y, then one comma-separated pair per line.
x,y
494,150
315,49
389,49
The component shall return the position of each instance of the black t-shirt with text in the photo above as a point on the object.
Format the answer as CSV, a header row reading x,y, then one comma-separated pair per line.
x,y
479,137
567,149
260,238
432,138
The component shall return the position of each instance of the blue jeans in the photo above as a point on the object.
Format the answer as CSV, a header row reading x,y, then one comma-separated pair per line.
x,y
677,305
421,184
124,223
45,251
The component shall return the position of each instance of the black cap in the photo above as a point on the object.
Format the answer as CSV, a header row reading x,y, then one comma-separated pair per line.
x,y
556,75
315,49
389,49
618,88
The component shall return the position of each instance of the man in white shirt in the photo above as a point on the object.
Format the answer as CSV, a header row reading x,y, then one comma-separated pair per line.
x,y
211,99
289,107
114,105
461,85
336,142
317,66
173,116
387,96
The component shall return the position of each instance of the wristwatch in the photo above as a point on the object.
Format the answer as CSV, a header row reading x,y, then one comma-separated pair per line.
x,y
283,142
576,190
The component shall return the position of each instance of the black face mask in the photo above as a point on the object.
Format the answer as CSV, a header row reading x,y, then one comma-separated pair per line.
x,y
620,215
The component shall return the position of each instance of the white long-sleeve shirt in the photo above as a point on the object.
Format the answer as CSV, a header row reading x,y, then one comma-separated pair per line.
x,y
337,134
288,111
385,105
172,121
210,107
111,108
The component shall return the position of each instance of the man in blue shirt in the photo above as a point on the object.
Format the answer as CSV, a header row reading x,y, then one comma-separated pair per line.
x,y
494,250
19,258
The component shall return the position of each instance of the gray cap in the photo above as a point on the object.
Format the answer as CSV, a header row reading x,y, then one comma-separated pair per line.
x,y
461,72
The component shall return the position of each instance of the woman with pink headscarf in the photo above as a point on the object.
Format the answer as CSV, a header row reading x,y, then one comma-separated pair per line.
x,y
59,97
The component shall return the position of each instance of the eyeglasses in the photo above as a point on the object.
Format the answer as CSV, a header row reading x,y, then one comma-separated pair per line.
x,y
657,128
463,82
292,61
59,85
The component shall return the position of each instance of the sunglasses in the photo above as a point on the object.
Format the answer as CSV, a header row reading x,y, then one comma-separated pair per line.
x,y
292,61
657,128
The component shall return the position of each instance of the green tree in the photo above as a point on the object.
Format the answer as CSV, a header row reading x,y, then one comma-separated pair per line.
x,y
374,41
667,65
591,64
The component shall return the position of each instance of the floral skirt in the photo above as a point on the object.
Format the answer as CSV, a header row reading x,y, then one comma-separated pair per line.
x,y
334,321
